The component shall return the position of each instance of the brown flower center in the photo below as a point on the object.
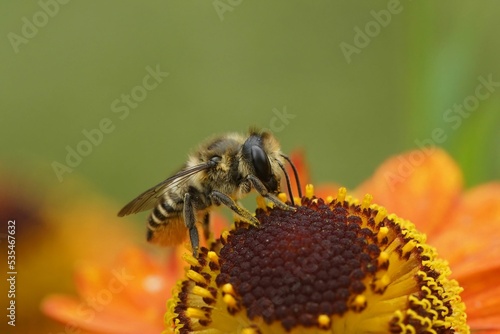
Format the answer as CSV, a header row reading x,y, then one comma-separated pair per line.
x,y
299,265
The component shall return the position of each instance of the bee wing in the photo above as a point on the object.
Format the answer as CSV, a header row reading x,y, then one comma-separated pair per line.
x,y
149,198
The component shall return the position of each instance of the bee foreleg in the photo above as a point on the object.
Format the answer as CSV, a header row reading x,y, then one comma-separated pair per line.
x,y
221,198
190,221
262,190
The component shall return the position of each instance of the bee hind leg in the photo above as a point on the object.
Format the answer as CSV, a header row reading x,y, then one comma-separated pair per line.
x,y
262,190
190,221
221,198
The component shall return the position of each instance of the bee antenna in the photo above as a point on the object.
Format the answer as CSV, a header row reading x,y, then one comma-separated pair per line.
x,y
287,182
295,174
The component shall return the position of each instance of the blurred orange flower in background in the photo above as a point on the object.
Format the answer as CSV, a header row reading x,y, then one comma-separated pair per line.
x,y
128,297
55,229
125,297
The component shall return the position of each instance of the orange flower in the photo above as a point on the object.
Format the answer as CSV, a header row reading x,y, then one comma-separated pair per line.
x,y
332,266
422,186
425,186
54,227
126,297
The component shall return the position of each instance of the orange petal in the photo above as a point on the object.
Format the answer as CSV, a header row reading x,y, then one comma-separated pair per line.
x,y
490,325
100,318
470,239
299,161
146,282
481,292
421,186
481,296
326,189
90,279
136,279
218,223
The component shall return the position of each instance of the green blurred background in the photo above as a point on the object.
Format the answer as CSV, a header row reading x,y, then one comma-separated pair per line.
x,y
225,75
233,64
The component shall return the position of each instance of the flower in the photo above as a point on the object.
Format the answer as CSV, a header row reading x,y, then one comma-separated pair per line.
x,y
334,266
124,297
426,187
462,225
54,227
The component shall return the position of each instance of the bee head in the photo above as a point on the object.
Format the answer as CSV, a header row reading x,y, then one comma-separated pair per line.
x,y
254,153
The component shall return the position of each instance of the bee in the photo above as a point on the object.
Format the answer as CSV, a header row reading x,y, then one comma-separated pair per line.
x,y
223,170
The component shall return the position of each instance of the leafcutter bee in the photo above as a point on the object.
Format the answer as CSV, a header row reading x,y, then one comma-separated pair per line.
x,y
223,170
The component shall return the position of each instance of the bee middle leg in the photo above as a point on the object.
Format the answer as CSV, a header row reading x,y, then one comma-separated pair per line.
x,y
221,198
262,190
190,222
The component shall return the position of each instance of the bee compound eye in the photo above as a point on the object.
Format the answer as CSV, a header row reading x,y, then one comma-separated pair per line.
x,y
261,164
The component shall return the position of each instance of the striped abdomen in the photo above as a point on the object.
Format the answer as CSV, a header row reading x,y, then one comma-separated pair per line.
x,y
166,224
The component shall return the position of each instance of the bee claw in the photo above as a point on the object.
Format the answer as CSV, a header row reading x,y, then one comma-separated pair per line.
x,y
247,220
255,222
283,206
